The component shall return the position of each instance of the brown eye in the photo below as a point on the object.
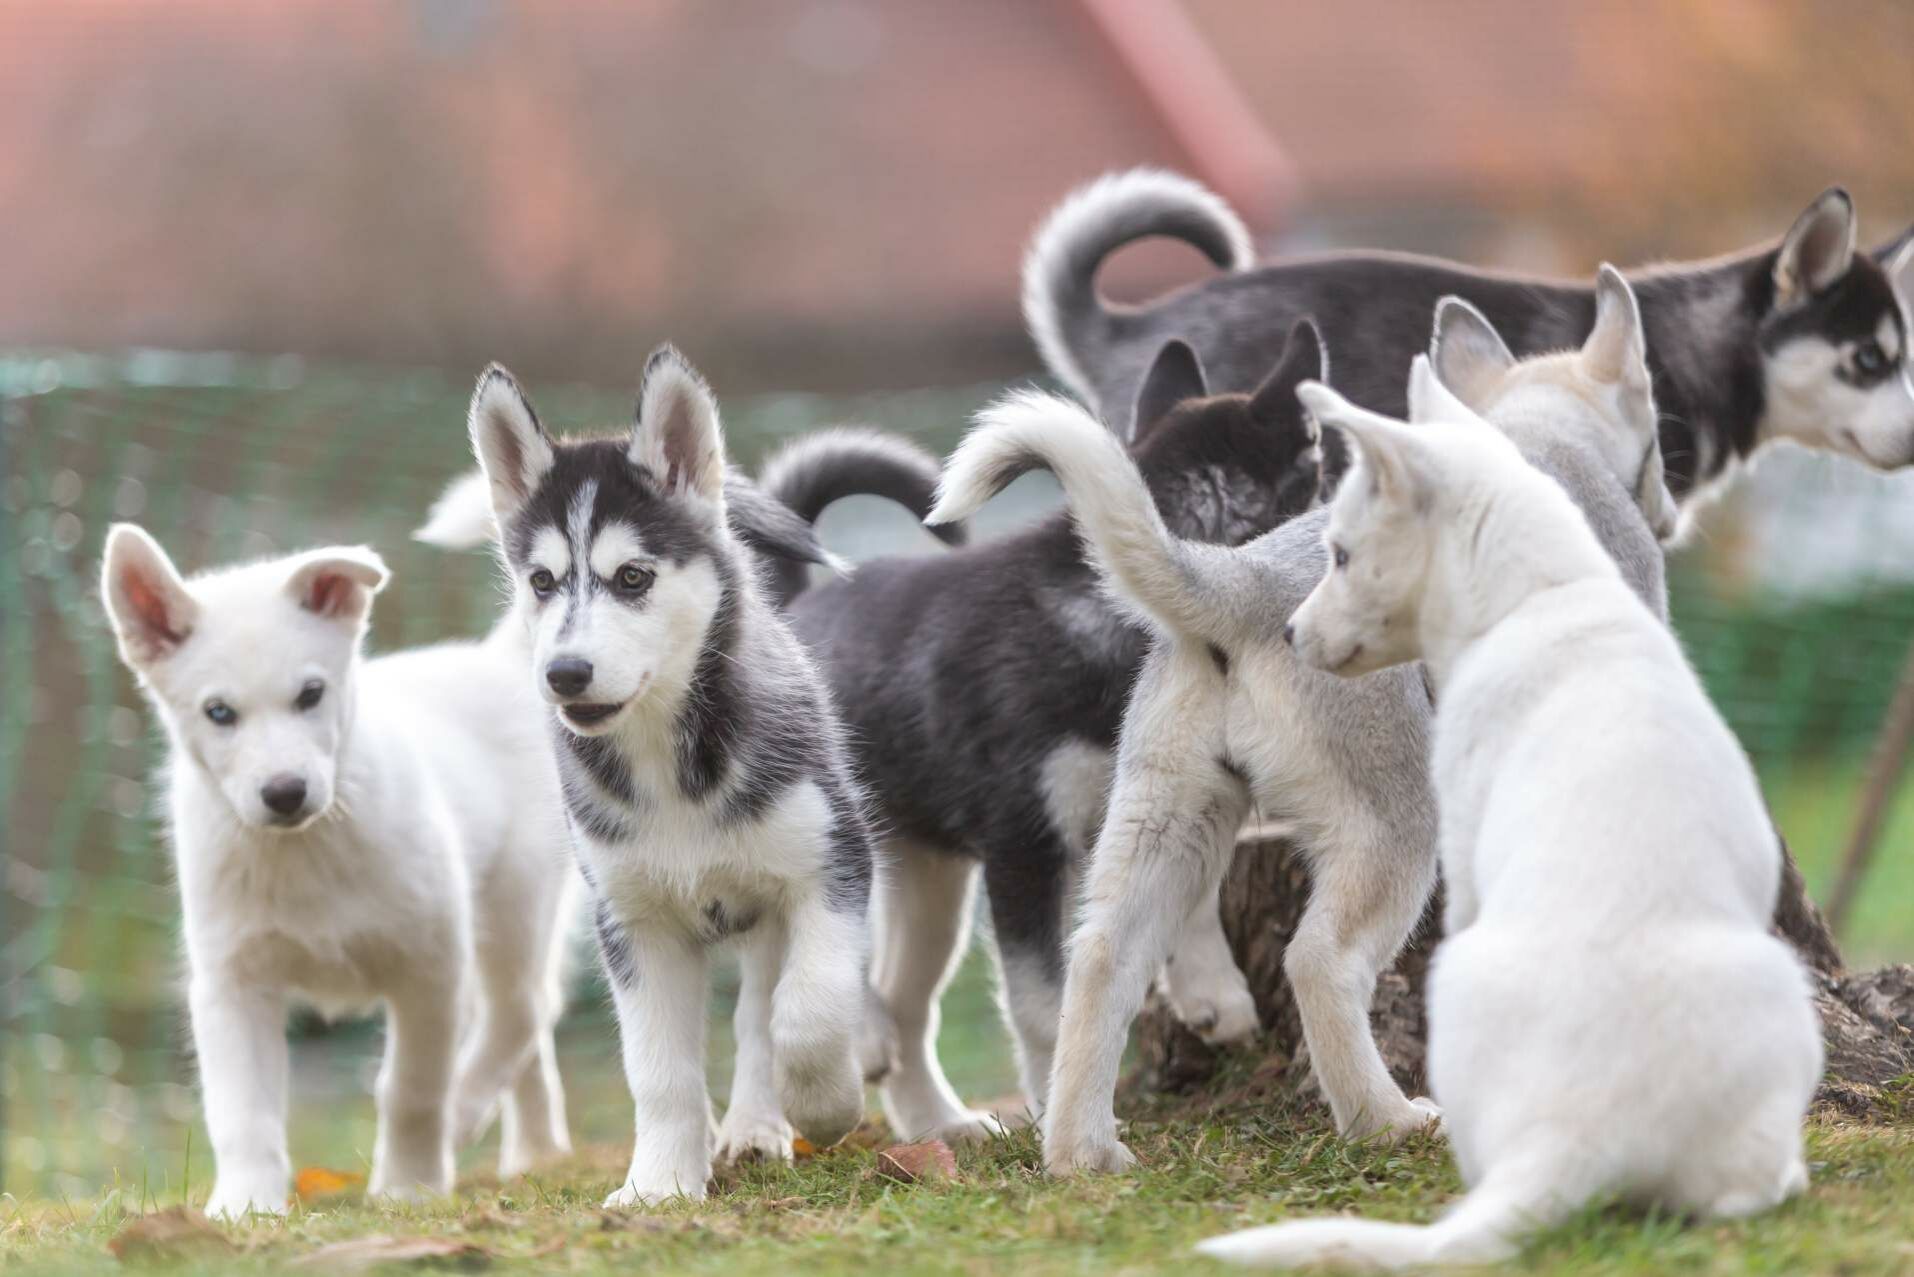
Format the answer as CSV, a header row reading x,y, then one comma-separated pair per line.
x,y
543,582
632,579
311,694
1869,358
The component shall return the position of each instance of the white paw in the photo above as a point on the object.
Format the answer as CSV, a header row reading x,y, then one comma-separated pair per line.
x,y
515,1157
969,1127
1221,1015
635,1196
470,1118
408,1180
753,1137
1078,1157
824,1106
235,1200
1397,1121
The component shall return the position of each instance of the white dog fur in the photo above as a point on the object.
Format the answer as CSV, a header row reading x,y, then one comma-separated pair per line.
x,y
1609,1016
416,858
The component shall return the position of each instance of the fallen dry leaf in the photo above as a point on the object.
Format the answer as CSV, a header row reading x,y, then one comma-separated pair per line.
x,y
315,1182
362,1253
801,1148
914,1163
173,1234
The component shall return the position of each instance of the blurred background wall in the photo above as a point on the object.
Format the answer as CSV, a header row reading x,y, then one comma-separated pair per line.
x,y
252,254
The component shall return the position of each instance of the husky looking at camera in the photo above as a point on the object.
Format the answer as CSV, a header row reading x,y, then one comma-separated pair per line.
x,y
704,770
1610,868
351,832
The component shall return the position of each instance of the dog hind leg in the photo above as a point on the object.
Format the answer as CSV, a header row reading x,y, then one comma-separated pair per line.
x,y
924,919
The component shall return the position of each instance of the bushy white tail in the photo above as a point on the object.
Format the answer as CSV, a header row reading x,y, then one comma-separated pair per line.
x,y
1483,1228
1144,568
461,519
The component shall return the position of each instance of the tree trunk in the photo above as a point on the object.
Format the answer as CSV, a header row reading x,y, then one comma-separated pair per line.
x,y
1867,1018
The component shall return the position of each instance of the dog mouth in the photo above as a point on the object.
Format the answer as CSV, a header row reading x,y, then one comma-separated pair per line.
x,y
590,714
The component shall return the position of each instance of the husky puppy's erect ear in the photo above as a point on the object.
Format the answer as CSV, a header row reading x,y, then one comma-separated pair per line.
x,y
512,448
1470,357
338,582
1430,400
1817,250
146,599
676,435
1616,352
1176,374
1304,359
1389,452
1899,266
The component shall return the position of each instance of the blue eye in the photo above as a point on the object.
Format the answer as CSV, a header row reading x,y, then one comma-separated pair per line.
x,y
1342,557
221,713
1870,358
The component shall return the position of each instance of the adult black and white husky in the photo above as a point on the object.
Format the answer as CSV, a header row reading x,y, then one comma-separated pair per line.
x,y
984,689
1224,716
1611,870
704,770
348,833
1804,341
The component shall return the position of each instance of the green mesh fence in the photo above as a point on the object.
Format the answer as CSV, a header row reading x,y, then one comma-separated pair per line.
x,y
223,458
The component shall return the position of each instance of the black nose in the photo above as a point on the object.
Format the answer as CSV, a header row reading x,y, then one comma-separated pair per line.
x,y
569,675
1289,635
283,795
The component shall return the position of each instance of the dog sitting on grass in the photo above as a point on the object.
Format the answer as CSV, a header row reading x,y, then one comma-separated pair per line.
x,y
351,832
1608,1013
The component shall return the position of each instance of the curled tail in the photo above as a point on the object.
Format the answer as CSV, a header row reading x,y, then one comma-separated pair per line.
x,y
1485,1227
811,472
461,519
1060,305
1144,568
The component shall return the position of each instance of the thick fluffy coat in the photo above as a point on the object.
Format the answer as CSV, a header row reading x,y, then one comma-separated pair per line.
x,y
984,689
1610,868
1804,340
351,832
1223,717
705,773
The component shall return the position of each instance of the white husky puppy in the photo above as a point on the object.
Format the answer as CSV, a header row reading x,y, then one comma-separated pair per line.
x,y
1610,867
351,832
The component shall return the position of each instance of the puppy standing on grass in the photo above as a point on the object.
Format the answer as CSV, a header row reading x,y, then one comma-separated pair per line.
x,y
704,772
1223,715
1610,867
348,833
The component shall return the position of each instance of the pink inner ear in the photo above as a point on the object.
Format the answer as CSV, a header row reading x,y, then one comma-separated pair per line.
x,y
149,605
329,594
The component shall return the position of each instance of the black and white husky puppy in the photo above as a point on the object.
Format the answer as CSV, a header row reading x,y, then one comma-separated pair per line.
x,y
704,770
984,689
1804,340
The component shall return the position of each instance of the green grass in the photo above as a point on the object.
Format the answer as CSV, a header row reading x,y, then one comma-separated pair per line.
x,y
1200,1175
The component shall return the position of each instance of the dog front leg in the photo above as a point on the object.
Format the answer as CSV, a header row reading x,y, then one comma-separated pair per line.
x,y
239,1035
658,984
814,1019
1207,991
412,1156
754,1127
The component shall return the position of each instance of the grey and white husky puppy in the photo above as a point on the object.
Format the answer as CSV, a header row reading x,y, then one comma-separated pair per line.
x,y
1224,716
704,770
984,689
1804,340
